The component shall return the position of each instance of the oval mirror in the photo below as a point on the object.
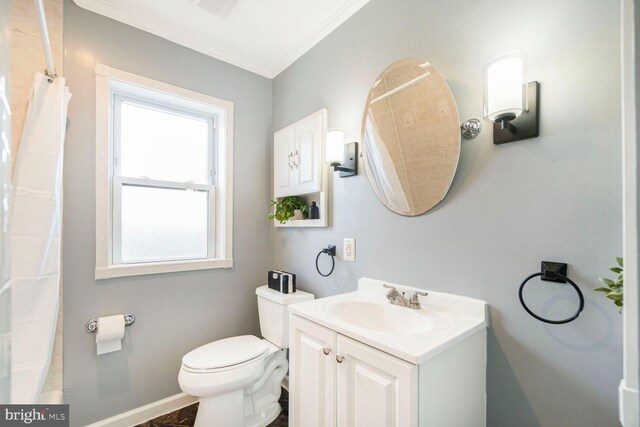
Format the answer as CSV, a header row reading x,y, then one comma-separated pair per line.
x,y
411,137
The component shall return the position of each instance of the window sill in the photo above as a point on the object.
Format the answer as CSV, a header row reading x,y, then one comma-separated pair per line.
x,y
125,270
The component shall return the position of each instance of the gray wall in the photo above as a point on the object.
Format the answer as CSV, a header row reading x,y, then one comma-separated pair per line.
x,y
175,312
556,198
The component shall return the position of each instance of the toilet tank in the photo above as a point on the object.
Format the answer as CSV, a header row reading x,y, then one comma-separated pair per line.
x,y
274,317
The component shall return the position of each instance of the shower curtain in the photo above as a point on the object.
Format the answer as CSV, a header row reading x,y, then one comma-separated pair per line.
x,y
35,237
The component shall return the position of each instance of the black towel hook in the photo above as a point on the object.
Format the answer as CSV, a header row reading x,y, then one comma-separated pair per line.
x,y
553,272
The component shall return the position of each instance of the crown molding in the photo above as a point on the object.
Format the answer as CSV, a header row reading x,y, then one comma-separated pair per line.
x,y
102,7
268,70
327,27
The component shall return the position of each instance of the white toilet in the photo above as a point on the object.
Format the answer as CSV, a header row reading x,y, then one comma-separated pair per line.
x,y
238,379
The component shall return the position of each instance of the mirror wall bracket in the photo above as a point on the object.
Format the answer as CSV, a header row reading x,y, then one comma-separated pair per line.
x,y
509,128
471,128
349,167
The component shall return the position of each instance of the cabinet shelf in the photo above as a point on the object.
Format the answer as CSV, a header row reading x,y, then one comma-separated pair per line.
x,y
320,199
302,223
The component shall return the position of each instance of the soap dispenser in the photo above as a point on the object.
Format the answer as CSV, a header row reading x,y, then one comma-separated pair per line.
x,y
314,211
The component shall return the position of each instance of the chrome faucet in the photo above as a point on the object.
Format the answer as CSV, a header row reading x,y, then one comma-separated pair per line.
x,y
397,298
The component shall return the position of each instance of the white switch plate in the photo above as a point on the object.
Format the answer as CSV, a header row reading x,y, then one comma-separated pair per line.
x,y
349,250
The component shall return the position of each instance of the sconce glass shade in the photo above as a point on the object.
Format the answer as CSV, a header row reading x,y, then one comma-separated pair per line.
x,y
504,87
334,146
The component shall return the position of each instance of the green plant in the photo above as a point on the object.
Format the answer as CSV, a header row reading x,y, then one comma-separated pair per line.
x,y
613,290
284,208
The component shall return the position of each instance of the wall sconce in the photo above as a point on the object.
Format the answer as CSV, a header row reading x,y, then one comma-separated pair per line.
x,y
343,157
510,103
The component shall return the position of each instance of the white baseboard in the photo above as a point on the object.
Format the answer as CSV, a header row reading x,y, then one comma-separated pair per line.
x,y
148,412
628,401
156,409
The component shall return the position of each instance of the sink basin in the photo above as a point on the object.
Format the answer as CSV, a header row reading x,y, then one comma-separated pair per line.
x,y
413,335
380,317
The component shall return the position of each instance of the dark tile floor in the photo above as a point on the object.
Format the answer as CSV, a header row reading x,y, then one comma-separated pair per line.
x,y
185,417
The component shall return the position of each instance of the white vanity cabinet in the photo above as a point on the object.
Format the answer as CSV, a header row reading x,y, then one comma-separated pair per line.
x,y
356,360
312,374
335,380
298,156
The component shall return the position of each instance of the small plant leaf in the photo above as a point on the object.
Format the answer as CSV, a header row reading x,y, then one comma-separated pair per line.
x,y
614,289
284,208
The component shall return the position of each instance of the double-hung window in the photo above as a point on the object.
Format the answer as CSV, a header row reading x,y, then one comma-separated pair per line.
x,y
163,175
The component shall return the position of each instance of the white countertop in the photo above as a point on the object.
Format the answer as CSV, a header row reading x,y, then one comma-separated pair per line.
x,y
452,319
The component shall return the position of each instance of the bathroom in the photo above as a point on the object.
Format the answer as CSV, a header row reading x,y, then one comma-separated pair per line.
x,y
567,195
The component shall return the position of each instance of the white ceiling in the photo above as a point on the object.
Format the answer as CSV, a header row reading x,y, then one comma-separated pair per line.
x,y
262,36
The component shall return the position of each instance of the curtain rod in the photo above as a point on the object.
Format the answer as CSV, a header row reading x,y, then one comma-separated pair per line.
x,y
50,71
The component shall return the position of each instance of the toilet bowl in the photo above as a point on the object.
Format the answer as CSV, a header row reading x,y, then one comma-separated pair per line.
x,y
238,379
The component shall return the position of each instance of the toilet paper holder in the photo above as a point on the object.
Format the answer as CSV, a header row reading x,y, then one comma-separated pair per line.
x,y
92,325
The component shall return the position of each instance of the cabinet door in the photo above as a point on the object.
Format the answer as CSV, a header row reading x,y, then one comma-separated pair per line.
x,y
283,168
312,374
308,158
375,388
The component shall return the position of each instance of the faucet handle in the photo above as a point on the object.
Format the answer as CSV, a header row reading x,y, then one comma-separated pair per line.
x,y
414,296
392,290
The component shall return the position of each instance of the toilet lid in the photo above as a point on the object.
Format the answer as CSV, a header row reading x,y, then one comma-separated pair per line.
x,y
226,352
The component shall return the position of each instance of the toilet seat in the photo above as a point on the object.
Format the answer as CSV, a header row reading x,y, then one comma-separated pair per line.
x,y
224,354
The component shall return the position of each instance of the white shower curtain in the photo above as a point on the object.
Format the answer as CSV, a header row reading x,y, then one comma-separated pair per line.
x,y
35,237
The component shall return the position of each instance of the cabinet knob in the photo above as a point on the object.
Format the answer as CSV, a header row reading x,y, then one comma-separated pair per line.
x,y
339,358
326,350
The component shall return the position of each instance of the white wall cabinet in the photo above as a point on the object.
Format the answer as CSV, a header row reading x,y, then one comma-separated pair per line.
x,y
335,380
283,169
298,165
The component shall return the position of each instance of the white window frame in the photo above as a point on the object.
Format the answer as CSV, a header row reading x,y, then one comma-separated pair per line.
x,y
119,181
110,83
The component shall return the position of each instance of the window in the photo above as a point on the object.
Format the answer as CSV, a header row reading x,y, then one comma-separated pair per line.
x,y
163,176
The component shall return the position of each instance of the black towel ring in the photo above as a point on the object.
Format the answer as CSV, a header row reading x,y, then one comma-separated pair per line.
x,y
331,251
553,272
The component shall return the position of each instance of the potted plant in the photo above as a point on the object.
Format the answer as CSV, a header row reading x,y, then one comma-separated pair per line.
x,y
613,290
289,207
